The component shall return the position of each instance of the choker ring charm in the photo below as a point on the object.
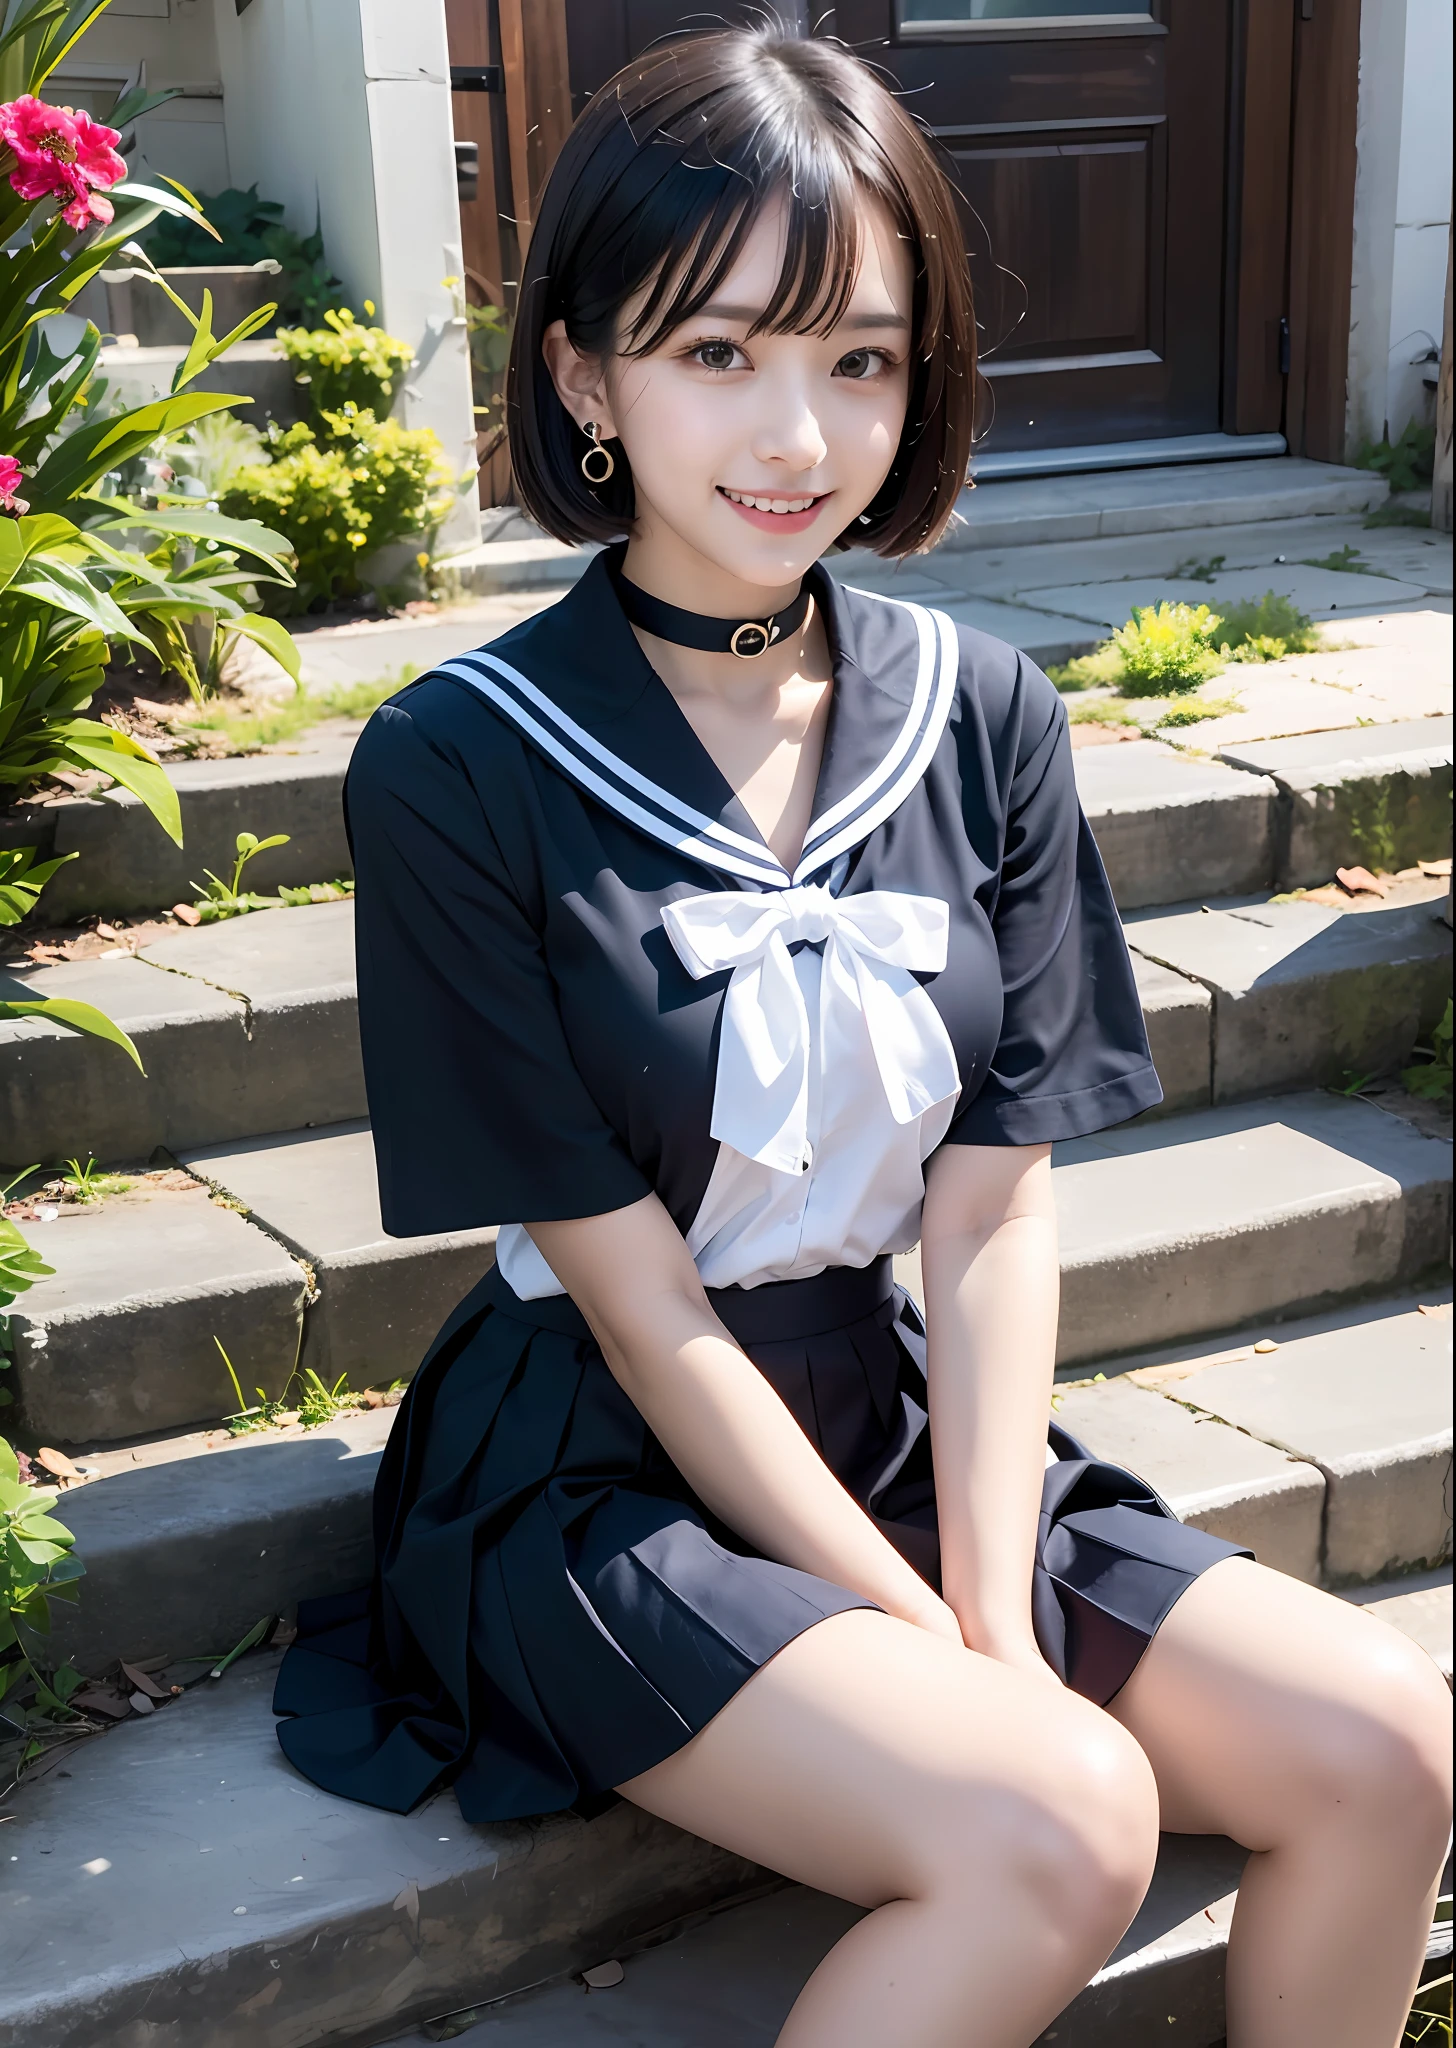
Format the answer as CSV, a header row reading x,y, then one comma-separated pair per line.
x,y
597,451
749,639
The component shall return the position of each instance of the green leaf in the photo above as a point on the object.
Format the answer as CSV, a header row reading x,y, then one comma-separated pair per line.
x,y
22,878
167,202
272,635
93,745
132,105
85,456
248,536
79,1016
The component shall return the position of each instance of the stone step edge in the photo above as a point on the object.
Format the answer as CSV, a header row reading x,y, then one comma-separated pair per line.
x,y
317,1528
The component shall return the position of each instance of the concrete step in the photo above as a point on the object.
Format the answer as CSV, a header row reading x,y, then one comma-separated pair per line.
x,y
1170,824
1171,1229
1329,1457
175,1880
284,1264
1327,1450
1305,993
1029,512
1379,794
128,863
252,1025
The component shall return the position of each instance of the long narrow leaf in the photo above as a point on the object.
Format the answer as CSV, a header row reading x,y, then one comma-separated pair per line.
x,y
248,536
85,456
169,202
79,1016
132,105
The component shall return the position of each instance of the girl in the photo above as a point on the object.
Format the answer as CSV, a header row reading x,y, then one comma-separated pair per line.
x,y
723,932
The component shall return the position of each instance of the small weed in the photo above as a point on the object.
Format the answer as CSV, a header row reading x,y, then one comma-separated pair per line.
x,y
227,899
247,1420
1191,570
1193,711
1431,1078
1397,515
321,1403
1355,1084
1345,561
1254,621
1089,671
1167,648
89,1184
1102,711
1406,464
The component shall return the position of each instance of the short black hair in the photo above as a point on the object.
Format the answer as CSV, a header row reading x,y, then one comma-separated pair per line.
x,y
657,188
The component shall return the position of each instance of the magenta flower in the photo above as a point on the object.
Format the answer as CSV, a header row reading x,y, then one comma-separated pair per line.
x,y
9,482
54,149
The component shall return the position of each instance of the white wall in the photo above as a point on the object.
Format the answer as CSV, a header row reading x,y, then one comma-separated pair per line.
x,y
170,43
341,110
1402,213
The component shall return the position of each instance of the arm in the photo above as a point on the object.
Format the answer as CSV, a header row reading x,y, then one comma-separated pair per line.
x,y
989,1258
722,1425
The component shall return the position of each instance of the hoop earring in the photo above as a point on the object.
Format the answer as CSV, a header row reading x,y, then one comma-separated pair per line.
x,y
597,449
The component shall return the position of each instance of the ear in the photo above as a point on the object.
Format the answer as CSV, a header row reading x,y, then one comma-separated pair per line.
x,y
579,380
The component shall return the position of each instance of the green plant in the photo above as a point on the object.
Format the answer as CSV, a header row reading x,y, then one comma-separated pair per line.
x,y
226,899
1397,515
1431,1079
246,1421
1194,710
343,364
247,731
321,1402
1266,629
1192,570
1407,464
373,483
68,592
1345,561
37,1566
1167,648
89,1184
22,877
250,230
212,451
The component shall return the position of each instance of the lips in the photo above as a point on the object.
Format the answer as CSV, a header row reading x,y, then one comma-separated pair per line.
x,y
775,513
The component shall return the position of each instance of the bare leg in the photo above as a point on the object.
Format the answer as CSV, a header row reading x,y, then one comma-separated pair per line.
x,y
1320,1739
1002,1830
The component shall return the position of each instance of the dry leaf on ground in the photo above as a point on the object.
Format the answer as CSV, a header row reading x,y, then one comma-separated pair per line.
x,y
1360,882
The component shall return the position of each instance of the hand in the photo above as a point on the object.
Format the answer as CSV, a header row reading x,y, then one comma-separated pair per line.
x,y
1021,1654
932,1614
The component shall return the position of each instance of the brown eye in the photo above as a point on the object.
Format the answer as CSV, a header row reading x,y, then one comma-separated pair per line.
x,y
860,362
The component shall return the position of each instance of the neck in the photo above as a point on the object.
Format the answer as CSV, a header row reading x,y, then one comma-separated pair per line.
x,y
660,562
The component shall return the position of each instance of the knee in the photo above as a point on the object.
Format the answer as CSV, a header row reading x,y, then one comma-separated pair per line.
x,y
1078,1838
1388,1763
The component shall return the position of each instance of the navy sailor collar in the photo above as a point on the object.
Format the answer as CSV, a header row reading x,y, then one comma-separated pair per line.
x,y
575,683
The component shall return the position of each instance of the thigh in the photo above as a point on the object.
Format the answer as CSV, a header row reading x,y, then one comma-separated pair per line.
x,y
868,1753
1260,1696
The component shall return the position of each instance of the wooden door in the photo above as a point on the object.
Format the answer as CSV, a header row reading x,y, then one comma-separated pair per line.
x,y
1089,147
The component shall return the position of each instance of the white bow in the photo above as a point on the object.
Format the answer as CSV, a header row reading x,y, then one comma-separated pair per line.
x,y
874,944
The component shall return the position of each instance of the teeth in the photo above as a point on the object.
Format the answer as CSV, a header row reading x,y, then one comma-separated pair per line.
x,y
769,504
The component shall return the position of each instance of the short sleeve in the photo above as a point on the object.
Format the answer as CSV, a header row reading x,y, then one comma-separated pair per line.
x,y
479,1113
1072,1056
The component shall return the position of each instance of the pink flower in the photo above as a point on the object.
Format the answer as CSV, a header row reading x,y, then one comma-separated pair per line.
x,y
9,482
55,149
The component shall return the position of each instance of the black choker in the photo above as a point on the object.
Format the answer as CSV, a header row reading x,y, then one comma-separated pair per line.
x,y
743,637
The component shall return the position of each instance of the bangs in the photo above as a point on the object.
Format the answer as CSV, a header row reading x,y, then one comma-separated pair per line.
x,y
648,209
820,259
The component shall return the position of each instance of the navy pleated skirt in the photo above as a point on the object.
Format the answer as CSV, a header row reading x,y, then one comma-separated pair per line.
x,y
553,1611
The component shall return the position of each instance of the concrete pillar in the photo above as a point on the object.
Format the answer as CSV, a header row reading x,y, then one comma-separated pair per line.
x,y
341,110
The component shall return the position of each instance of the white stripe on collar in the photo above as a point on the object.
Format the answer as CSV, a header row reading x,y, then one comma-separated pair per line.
x,y
671,821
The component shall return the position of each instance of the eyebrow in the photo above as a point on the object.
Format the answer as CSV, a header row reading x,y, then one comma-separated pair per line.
x,y
749,314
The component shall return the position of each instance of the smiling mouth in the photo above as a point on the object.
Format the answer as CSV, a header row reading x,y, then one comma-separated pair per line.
x,y
761,502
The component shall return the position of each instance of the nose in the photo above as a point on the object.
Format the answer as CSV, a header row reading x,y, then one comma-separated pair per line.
x,y
787,430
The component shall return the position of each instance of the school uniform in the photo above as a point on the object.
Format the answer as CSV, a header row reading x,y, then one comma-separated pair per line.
x,y
584,978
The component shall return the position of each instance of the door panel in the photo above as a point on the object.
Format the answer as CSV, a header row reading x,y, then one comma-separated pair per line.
x,y
1089,144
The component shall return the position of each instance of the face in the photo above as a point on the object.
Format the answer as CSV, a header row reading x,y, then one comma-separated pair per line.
x,y
750,455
